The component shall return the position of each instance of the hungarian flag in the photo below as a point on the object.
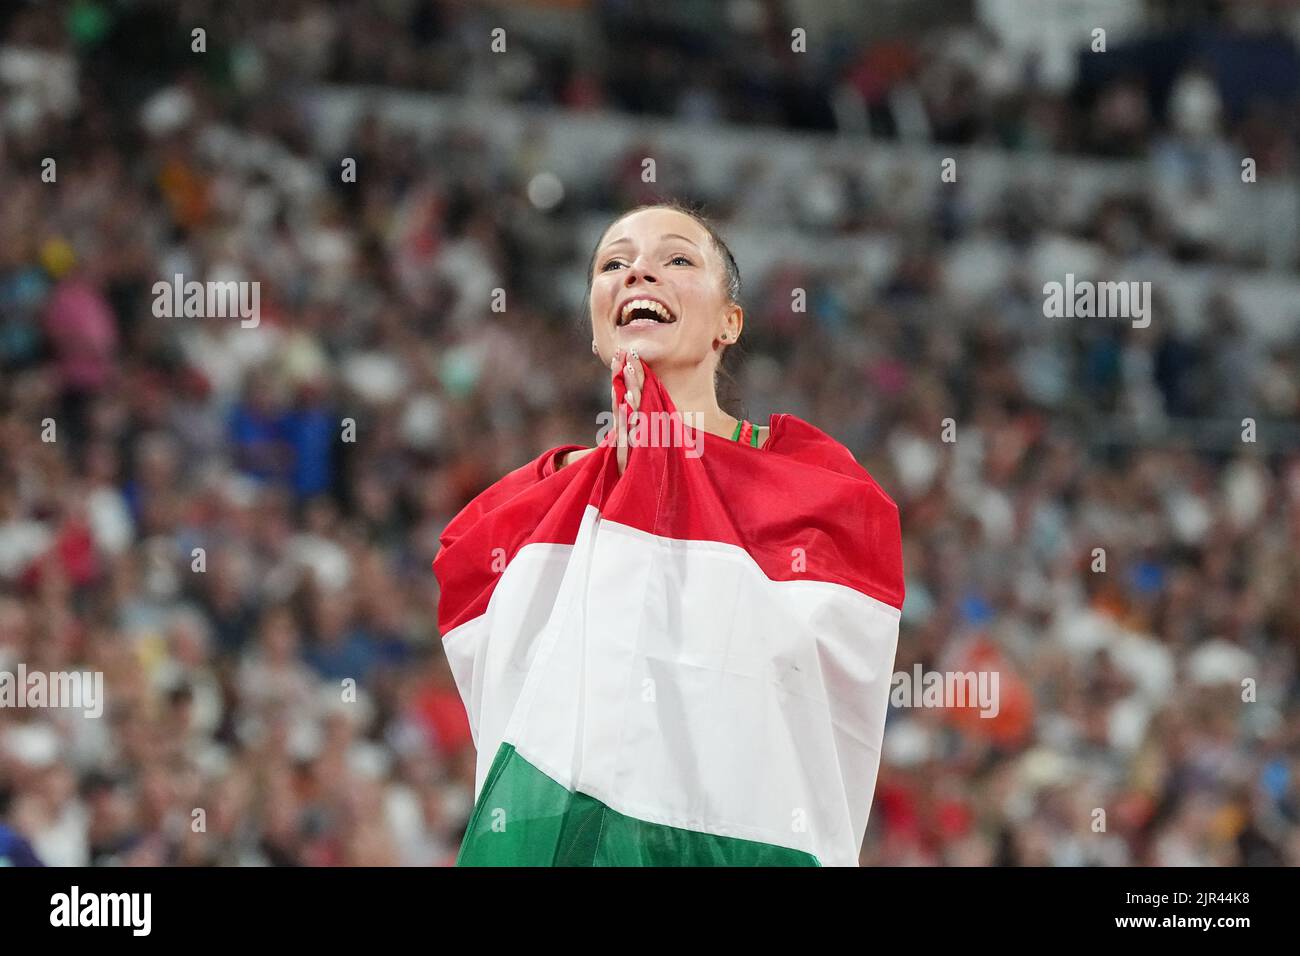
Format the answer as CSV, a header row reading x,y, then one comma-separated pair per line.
x,y
685,664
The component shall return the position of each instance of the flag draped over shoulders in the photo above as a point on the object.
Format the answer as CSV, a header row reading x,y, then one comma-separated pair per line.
x,y
686,664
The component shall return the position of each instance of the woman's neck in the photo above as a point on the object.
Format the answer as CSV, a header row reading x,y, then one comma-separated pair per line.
x,y
693,395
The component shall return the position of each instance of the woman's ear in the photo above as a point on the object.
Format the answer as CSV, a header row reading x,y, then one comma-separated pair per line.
x,y
735,322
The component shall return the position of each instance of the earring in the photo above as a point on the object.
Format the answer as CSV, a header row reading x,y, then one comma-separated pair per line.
x,y
594,350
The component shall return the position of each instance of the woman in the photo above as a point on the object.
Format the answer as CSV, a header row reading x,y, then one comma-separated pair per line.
x,y
673,653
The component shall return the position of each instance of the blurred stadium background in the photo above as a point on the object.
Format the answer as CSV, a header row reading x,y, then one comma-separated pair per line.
x,y
478,171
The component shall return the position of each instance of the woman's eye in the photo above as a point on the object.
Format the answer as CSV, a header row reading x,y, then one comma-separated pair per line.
x,y
607,265
675,259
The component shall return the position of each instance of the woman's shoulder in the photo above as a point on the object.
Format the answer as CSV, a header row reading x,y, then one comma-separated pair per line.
x,y
506,487
556,458
804,441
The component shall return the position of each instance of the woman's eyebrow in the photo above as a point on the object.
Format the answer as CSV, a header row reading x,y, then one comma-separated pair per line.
x,y
673,235
668,235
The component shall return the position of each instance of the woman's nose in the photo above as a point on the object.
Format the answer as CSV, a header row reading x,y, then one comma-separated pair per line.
x,y
638,273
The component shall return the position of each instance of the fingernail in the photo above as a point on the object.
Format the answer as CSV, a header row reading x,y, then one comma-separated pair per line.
x,y
634,353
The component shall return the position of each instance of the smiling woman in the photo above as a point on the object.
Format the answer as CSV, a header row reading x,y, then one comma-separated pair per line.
x,y
673,658
664,288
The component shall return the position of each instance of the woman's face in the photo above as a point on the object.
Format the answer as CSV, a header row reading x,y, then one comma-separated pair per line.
x,y
666,258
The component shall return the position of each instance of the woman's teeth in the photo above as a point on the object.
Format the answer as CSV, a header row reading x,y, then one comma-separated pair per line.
x,y
659,313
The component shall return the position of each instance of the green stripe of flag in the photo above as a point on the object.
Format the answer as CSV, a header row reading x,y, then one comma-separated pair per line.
x,y
524,818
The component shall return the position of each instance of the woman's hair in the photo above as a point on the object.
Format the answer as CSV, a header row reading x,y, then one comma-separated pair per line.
x,y
730,269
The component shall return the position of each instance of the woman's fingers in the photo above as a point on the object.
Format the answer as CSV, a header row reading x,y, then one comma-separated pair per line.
x,y
634,379
634,375
620,418
620,452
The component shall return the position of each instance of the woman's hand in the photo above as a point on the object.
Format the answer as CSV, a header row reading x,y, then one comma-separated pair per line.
x,y
634,376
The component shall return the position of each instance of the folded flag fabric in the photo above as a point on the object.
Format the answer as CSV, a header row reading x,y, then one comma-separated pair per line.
x,y
686,664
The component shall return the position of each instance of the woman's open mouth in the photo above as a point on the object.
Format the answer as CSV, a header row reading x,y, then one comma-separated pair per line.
x,y
643,313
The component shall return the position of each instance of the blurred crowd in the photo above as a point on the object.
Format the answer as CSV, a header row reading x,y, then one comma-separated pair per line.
x,y
235,524
1019,74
